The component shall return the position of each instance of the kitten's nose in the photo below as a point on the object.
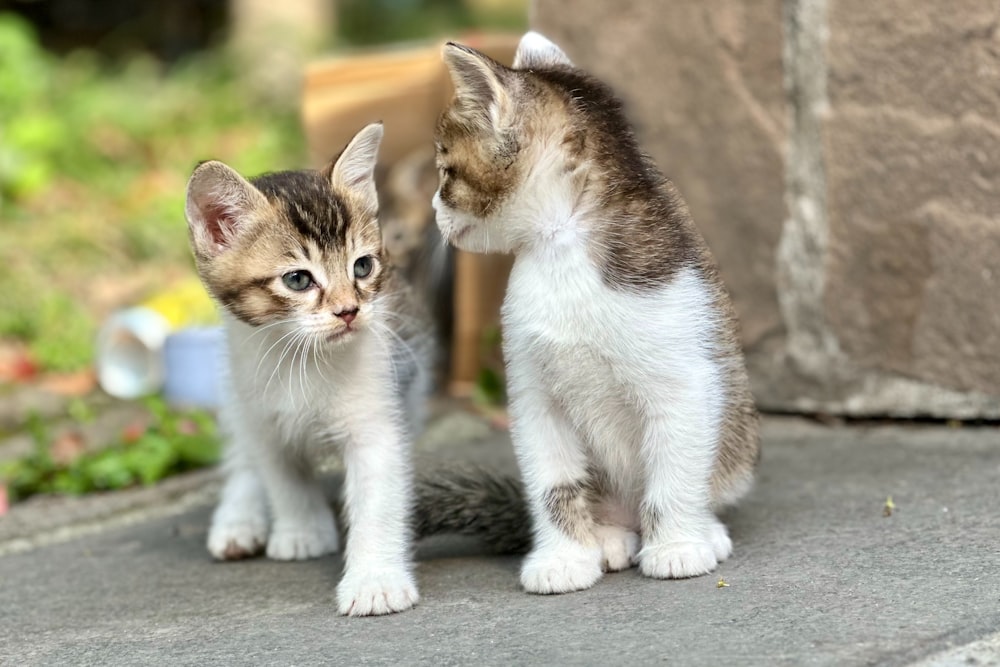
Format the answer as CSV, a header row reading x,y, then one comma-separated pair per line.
x,y
348,314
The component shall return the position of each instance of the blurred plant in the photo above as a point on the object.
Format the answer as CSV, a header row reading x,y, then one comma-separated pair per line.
x,y
60,332
491,386
172,442
364,22
25,137
94,157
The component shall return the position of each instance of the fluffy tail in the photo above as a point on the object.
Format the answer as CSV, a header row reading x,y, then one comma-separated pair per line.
x,y
476,503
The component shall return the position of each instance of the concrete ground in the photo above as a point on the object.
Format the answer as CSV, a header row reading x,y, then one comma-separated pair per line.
x,y
819,575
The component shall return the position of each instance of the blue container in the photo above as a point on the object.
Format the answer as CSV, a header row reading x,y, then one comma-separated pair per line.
x,y
193,364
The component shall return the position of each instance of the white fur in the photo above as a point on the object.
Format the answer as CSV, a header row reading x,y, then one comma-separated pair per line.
x,y
288,406
535,50
599,375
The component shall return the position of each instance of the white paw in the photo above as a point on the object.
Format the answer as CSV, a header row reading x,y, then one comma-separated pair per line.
x,y
721,544
300,541
376,592
618,547
572,568
235,541
677,560
237,538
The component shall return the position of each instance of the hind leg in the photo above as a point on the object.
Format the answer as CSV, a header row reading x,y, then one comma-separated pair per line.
x,y
619,547
304,526
617,533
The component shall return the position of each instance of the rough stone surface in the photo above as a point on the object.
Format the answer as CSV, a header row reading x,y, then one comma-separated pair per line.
x,y
912,149
819,577
853,209
703,84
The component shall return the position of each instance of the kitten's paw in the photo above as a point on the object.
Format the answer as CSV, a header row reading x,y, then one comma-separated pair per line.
x,y
237,539
618,547
561,571
721,544
374,593
301,541
677,560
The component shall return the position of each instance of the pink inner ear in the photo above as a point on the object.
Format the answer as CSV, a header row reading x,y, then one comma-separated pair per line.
x,y
220,223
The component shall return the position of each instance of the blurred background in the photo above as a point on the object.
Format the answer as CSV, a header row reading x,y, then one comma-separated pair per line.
x,y
841,157
105,108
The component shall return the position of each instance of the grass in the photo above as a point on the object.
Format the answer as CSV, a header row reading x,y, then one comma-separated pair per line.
x,y
94,158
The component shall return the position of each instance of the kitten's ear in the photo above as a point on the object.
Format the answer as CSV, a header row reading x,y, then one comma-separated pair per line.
x,y
219,203
354,170
480,85
537,52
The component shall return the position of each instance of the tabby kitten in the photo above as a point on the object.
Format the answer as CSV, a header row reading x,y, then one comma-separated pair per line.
x,y
631,413
327,352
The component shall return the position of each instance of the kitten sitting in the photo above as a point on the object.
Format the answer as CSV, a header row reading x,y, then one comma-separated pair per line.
x,y
631,413
326,351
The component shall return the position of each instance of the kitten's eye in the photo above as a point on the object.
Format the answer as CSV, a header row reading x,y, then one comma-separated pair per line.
x,y
448,171
297,281
363,266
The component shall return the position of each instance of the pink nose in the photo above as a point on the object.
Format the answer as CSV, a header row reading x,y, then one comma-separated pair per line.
x,y
348,315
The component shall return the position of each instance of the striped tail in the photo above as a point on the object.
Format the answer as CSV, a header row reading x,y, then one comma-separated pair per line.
x,y
476,503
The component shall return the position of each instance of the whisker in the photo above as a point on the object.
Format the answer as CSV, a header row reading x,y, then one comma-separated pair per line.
x,y
264,356
281,360
303,378
261,329
402,344
392,362
317,351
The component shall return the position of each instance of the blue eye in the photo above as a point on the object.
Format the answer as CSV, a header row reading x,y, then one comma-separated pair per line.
x,y
363,266
297,281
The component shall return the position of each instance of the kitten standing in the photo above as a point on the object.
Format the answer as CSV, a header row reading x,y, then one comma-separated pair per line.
x,y
631,413
327,352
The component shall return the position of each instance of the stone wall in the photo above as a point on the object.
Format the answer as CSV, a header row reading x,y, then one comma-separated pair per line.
x,y
842,158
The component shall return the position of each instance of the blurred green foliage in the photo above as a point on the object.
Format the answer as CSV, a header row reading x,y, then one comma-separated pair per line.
x,y
490,388
94,157
366,22
172,442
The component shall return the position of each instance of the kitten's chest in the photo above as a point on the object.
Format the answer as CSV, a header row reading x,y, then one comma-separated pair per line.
x,y
561,319
303,398
558,300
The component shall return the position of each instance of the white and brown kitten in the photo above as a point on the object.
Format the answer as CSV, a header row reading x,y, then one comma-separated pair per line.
x,y
631,413
327,352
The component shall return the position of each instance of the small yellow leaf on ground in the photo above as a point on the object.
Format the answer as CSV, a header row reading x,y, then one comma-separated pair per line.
x,y
888,507
722,583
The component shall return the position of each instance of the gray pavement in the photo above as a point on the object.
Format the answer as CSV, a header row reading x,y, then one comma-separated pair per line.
x,y
819,577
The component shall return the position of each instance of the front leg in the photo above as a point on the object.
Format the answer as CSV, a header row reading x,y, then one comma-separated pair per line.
x,y
378,570
566,555
681,536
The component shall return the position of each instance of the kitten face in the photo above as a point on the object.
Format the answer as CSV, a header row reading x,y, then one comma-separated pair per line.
x,y
543,153
504,139
297,251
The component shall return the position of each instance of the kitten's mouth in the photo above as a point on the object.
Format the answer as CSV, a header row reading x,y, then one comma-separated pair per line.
x,y
340,334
